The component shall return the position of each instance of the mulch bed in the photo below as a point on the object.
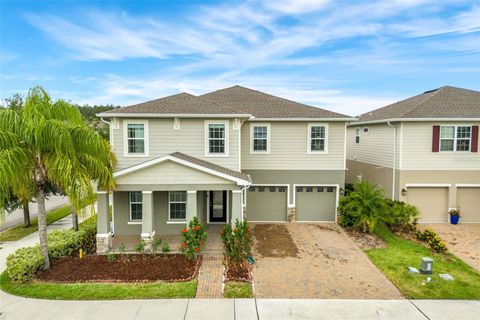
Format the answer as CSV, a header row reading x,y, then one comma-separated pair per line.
x,y
366,241
238,272
126,268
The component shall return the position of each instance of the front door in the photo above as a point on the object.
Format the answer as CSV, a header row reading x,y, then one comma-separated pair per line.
x,y
218,206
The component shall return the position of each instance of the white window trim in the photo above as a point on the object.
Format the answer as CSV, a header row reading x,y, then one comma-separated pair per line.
x,y
130,220
170,220
252,126
146,138
357,135
309,138
455,138
206,139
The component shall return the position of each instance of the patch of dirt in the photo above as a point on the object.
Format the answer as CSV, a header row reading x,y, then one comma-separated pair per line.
x,y
274,241
327,228
366,241
129,268
238,272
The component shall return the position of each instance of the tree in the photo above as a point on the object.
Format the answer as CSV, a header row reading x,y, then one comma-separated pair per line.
x,y
50,140
365,207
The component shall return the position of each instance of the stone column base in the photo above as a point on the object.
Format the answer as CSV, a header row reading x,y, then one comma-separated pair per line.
x,y
104,243
291,214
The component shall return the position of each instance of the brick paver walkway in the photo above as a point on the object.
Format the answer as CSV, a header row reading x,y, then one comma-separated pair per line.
x,y
210,277
463,240
328,264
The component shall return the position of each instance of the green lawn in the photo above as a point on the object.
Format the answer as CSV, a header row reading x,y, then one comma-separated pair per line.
x,y
238,290
105,291
19,232
400,254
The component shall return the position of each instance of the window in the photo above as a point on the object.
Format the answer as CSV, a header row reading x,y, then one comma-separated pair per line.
x,y
455,138
136,205
317,138
216,143
366,130
136,138
357,135
260,138
177,205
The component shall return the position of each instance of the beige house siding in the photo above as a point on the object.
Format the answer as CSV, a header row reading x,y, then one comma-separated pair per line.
x,y
376,146
418,155
164,139
288,148
170,173
381,176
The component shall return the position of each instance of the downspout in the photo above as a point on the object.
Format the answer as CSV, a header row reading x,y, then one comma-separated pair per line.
x,y
394,157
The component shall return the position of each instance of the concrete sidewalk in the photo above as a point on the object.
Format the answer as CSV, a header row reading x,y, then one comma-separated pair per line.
x,y
15,308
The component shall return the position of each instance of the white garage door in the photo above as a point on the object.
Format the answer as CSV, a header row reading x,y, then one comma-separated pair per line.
x,y
468,200
431,202
315,203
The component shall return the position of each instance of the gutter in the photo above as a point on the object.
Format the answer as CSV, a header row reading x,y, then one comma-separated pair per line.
x,y
415,120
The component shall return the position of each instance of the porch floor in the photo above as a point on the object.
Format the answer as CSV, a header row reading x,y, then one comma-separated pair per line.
x,y
214,242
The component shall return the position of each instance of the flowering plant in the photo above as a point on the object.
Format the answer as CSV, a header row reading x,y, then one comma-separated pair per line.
x,y
237,242
454,212
194,238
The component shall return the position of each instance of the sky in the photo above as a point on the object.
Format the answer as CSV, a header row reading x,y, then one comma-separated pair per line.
x,y
346,56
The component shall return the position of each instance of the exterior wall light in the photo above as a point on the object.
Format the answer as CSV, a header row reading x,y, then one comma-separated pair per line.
x,y
404,192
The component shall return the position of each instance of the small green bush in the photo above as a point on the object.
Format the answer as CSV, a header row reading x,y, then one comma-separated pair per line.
x,y
156,244
89,226
64,243
432,239
165,247
23,264
194,239
404,216
111,257
140,247
237,243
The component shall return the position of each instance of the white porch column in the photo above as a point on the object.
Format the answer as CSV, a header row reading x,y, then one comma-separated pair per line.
x,y
147,219
104,236
237,210
191,204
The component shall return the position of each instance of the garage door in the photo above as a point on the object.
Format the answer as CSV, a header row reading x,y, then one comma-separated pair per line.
x,y
431,202
468,200
315,203
267,203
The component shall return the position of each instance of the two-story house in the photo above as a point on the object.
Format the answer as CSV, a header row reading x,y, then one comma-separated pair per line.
x,y
231,154
422,150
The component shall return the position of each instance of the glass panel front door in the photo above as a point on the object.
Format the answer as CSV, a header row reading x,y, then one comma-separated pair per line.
x,y
218,206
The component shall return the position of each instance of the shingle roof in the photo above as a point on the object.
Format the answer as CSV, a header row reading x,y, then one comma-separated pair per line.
x,y
236,101
211,166
445,102
262,105
182,103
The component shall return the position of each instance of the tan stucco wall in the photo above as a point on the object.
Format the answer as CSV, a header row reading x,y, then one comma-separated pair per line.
x,y
288,148
451,177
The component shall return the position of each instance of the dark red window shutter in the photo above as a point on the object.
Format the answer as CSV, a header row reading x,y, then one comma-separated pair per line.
x,y
436,139
474,138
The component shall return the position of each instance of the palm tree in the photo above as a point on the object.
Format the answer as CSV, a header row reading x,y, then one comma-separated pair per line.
x,y
367,204
50,140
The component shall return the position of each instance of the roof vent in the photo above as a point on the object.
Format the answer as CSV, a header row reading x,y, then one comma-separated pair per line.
x,y
429,91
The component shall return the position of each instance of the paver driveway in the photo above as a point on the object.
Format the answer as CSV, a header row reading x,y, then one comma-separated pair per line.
x,y
463,240
314,261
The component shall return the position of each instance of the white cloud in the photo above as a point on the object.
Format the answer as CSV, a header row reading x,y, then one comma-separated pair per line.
x,y
295,6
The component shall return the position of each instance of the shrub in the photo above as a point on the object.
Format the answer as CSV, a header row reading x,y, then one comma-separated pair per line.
x,y
111,257
140,247
165,247
432,239
64,243
23,264
364,208
403,216
237,243
89,226
156,244
194,239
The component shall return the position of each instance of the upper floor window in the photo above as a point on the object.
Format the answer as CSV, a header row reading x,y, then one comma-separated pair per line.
x,y
455,138
136,205
357,135
317,138
260,138
366,130
177,203
216,135
136,138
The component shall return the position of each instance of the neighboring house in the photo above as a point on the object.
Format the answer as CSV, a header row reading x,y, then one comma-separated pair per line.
x,y
422,150
231,154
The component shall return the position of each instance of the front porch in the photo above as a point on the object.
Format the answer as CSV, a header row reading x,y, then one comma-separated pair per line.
x,y
158,199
